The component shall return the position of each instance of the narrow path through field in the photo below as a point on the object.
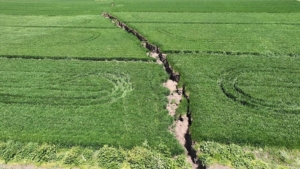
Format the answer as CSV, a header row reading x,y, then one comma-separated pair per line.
x,y
182,124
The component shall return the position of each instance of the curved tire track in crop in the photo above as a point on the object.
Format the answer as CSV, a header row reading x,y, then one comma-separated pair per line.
x,y
232,85
66,90
173,76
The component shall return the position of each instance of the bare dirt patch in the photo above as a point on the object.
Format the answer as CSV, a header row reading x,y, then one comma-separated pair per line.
x,y
181,128
171,85
155,56
173,102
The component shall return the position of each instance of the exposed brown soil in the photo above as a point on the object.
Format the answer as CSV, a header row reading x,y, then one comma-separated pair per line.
x,y
182,124
171,85
174,98
155,56
181,127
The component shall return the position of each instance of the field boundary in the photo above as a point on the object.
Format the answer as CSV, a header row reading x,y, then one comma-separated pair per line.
x,y
229,53
213,23
58,27
77,58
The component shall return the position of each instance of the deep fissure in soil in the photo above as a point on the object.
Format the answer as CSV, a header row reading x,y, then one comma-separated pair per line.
x,y
175,77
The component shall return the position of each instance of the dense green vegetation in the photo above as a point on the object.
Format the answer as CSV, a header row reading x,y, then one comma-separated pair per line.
x,y
142,156
243,99
84,103
249,157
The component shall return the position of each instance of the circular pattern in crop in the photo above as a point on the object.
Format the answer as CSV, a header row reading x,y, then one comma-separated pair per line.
x,y
63,88
275,88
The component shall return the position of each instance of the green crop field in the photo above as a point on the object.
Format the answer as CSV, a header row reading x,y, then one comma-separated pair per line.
x,y
84,103
238,61
219,32
70,77
83,36
71,82
54,7
205,6
243,99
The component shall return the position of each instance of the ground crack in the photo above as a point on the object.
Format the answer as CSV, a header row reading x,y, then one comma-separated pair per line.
x,y
183,123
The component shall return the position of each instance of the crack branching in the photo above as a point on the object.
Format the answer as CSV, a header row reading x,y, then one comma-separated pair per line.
x,y
184,121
